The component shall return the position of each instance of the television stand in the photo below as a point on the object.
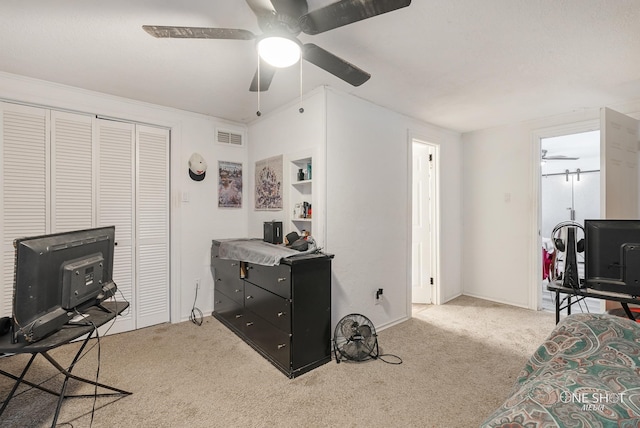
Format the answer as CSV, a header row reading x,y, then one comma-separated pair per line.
x,y
100,306
96,317
575,295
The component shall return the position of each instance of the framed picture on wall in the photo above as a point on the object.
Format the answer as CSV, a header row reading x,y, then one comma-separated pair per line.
x,y
269,173
229,184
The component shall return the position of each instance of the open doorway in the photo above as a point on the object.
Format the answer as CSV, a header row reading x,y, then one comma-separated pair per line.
x,y
569,191
424,224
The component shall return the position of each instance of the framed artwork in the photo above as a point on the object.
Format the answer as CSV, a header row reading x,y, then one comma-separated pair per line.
x,y
229,184
269,174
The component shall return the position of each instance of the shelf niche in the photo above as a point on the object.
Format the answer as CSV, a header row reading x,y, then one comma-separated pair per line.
x,y
301,194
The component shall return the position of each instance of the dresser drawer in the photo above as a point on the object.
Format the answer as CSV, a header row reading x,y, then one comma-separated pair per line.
x,y
226,277
229,309
233,288
230,268
273,308
276,279
271,340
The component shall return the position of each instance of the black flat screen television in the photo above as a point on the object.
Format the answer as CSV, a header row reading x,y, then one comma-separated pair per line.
x,y
58,275
612,255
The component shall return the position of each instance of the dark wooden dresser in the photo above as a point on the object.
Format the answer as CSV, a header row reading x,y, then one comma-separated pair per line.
x,y
282,311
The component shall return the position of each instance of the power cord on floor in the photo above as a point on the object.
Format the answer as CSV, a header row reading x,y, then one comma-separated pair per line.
x,y
398,359
196,314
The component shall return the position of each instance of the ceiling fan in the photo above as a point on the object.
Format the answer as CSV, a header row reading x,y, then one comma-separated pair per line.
x,y
285,19
556,157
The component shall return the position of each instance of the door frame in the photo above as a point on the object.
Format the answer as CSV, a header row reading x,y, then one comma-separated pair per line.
x,y
435,210
535,237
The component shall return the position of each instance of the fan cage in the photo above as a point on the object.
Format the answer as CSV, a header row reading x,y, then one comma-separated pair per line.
x,y
355,339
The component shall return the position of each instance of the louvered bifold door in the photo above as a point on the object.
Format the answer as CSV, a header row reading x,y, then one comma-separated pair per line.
x,y
115,206
24,143
152,225
72,172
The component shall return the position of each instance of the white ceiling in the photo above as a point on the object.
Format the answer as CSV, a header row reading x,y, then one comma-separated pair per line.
x,y
460,64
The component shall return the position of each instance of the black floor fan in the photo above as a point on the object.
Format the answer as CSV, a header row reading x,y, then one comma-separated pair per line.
x,y
355,339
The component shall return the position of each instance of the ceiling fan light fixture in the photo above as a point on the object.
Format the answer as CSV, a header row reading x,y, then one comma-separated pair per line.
x,y
279,51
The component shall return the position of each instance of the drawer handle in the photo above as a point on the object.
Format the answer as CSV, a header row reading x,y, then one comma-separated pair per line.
x,y
282,345
238,316
281,314
218,302
249,324
218,279
249,297
234,264
237,291
282,279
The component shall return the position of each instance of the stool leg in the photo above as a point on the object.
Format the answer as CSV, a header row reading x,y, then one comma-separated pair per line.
x,y
18,382
627,311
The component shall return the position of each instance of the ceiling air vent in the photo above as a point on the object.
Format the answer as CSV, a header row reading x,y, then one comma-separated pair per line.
x,y
228,137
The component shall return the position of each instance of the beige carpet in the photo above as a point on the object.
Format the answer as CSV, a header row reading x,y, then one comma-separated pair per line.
x,y
460,362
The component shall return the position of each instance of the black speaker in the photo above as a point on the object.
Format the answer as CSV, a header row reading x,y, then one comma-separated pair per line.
x,y
273,232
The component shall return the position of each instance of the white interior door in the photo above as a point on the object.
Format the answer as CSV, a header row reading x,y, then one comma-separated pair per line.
x,y
24,170
115,202
422,224
152,226
72,172
619,168
619,165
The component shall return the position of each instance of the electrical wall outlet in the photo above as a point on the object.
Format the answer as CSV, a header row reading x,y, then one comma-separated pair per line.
x,y
377,296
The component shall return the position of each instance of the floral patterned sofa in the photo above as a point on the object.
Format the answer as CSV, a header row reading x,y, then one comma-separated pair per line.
x,y
585,374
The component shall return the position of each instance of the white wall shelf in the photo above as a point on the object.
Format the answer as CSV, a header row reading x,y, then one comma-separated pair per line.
x,y
301,183
300,192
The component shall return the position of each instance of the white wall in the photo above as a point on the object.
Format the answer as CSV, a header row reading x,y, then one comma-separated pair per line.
x,y
288,132
500,200
368,207
193,223
367,196
200,218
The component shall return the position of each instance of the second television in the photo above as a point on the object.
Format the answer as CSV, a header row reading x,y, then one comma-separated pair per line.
x,y
612,255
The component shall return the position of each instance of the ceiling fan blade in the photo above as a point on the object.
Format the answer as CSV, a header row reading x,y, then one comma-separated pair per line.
x,y
264,12
198,32
559,157
346,12
260,7
266,76
545,157
292,8
334,65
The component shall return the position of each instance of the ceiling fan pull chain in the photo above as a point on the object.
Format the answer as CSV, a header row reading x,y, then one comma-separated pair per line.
x,y
258,113
301,110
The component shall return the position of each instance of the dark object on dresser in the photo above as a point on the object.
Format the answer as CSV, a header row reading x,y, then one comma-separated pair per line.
x,y
272,232
282,311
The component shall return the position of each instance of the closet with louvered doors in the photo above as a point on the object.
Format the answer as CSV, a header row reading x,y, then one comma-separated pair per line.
x,y
65,171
